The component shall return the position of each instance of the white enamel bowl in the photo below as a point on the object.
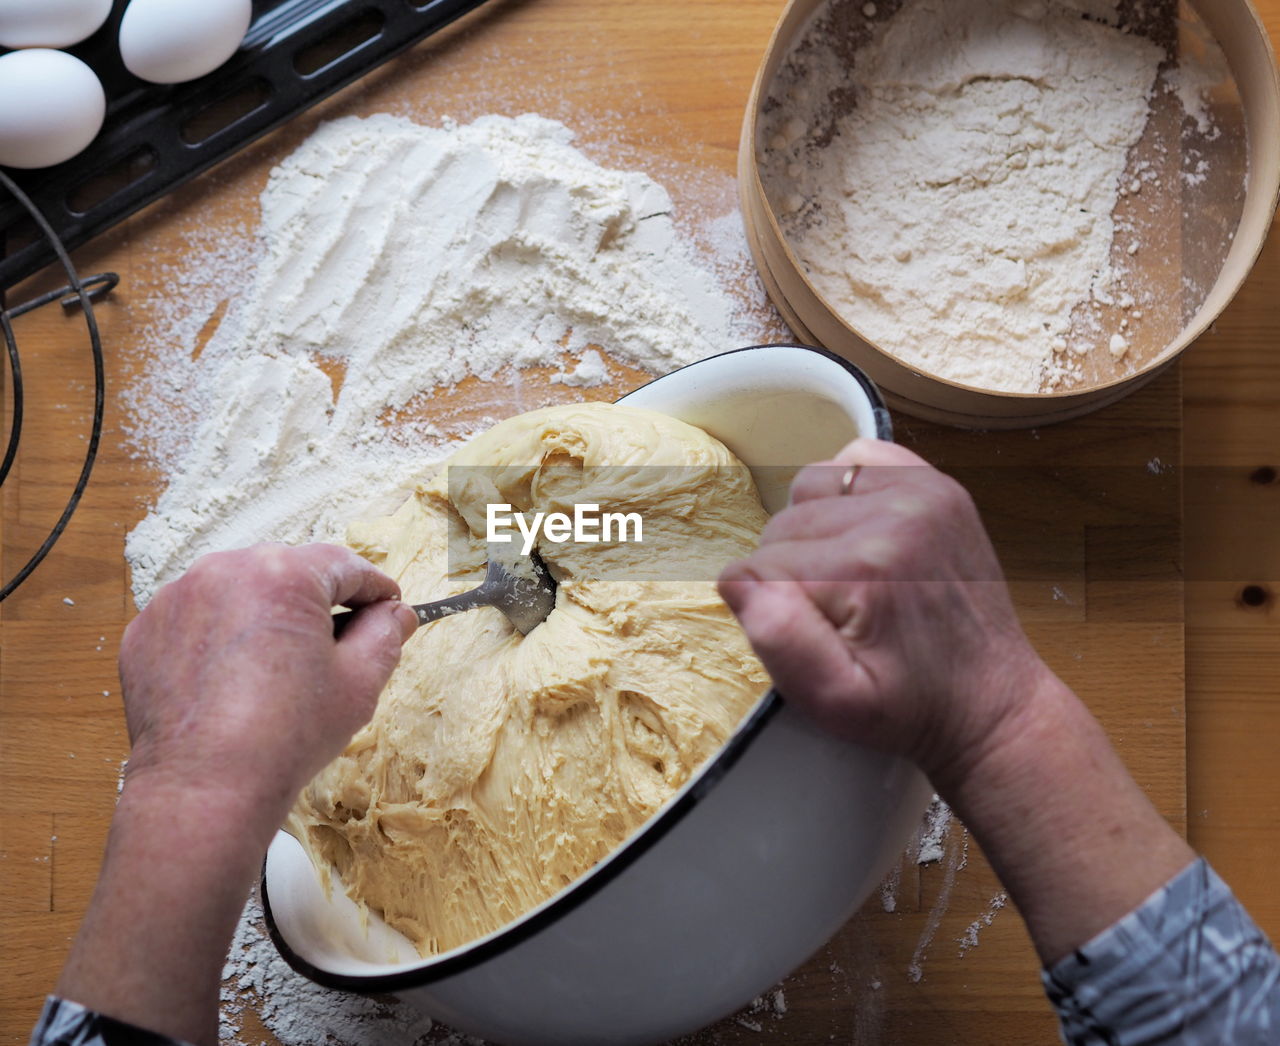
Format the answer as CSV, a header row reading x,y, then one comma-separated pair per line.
x,y
740,878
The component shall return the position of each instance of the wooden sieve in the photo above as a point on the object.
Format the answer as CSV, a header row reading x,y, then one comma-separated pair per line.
x,y
1200,236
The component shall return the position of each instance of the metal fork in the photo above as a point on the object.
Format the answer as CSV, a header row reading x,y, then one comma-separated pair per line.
x,y
524,591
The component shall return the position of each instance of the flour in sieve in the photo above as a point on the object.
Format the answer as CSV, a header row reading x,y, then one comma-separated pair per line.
x,y
394,259
958,206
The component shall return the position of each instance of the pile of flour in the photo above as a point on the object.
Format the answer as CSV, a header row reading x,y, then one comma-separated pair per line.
x,y
392,261
951,195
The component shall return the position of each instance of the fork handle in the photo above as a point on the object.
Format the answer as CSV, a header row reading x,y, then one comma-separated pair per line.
x,y
469,600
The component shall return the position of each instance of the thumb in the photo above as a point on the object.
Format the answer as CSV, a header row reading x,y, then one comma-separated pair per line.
x,y
369,648
805,656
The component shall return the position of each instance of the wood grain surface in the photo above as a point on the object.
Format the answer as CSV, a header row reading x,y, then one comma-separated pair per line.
x,y
1149,587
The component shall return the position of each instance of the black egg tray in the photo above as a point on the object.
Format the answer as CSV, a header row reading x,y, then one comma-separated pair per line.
x,y
156,137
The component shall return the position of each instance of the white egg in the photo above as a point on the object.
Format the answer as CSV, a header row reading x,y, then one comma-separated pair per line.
x,y
50,23
51,106
170,41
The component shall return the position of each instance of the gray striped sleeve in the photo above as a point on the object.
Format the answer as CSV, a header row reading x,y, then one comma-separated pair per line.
x,y
66,1023
1189,967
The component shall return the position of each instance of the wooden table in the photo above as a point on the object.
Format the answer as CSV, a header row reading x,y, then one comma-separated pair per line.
x,y
1181,671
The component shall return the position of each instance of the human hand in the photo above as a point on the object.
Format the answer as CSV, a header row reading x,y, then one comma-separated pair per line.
x,y
234,684
236,693
885,612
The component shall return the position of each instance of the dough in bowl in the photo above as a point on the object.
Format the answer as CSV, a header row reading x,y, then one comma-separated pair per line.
x,y
499,768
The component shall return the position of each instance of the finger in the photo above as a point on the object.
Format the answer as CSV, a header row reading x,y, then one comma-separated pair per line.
x,y
880,462
823,479
905,509
802,652
346,578
369,650
820,518
821,560
405,617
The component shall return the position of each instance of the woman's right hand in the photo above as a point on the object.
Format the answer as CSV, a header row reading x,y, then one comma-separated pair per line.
x,y
884,611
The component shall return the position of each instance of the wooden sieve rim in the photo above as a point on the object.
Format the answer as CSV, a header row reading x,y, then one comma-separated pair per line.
x,y
1242,35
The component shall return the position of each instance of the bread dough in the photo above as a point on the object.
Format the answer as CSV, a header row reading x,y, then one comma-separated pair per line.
x,y
498,768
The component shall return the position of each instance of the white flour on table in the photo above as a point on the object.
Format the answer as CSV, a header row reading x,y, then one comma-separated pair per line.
x,y
394,260
296,1011
969,939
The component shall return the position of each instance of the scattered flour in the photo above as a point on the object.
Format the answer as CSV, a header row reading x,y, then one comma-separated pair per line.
x,y
915,967
969,939
772,1005
933,832
300,1013
960,210
889,889
394,260
591,370
930,847
925,847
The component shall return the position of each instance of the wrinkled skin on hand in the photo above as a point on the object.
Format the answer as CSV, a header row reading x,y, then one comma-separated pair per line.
x,y
234,682
884,612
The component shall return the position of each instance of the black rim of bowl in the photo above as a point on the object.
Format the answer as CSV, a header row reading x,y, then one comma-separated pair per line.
x,y
428,971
